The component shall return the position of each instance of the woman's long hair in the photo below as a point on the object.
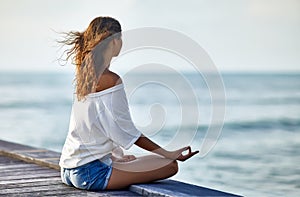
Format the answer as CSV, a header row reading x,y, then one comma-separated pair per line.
x,y
88,64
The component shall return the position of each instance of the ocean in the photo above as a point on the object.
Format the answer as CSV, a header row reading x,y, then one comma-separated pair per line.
x,y
256,154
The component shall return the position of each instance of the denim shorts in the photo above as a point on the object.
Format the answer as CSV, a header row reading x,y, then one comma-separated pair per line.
x,y
91,176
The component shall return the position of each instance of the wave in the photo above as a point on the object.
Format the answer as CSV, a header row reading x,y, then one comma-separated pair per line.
x,y
35,104
270,125
286,124
264,101
280,123
283,124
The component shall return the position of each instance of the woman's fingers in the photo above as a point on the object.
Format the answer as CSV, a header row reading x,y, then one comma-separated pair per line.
x,y
129,157
183,158
126,158
182,154
187,156
189,150
180,151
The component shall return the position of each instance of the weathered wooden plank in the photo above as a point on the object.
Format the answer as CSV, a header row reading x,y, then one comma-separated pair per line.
x,y
76,193
118,193
30,176
11,146
25,169
22,172
44,154
66,190
68,193
51,189
18,166
40,161
61,187
175,188
19,178
31,150
30,184
29,154
7,161
37,183
22,166
32,180
34,189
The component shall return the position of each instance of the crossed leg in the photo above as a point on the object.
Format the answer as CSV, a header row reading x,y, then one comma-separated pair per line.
x,y
142,170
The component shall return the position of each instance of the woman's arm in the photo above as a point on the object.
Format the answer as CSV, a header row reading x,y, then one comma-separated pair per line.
x,y
149,145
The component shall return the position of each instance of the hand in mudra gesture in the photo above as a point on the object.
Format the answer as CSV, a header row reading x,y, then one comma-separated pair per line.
x,y
178,154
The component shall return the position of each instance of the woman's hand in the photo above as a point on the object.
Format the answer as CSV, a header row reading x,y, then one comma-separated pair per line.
x,y
125,158
178,154
147,144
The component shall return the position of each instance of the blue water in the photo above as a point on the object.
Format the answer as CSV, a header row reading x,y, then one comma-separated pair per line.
x,y
257,154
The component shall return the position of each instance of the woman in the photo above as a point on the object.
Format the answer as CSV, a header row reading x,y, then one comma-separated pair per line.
x,y
100,122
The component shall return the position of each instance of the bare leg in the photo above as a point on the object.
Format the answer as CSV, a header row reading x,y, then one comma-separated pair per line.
x,y
142,170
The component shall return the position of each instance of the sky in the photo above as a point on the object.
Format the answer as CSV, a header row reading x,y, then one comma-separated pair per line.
x,y
238,35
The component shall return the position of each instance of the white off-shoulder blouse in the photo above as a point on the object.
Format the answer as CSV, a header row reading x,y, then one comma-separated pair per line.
x,y
98,125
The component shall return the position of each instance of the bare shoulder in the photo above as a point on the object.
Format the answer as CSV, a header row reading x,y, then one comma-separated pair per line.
x,y
108,80
115,78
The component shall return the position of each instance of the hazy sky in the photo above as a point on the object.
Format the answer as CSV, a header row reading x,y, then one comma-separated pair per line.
x,y
239,35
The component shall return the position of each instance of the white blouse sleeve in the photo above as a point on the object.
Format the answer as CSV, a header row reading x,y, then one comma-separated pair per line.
x,y
116,120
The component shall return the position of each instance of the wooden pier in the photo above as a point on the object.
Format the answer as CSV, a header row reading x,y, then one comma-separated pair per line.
x,y
29,171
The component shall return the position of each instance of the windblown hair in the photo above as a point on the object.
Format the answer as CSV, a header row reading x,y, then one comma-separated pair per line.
x,y
89,63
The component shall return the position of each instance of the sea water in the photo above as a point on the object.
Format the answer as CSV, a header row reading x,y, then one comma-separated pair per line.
x,y
256,154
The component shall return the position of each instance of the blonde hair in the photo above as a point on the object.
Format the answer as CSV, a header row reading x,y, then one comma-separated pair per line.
x,y
98,34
